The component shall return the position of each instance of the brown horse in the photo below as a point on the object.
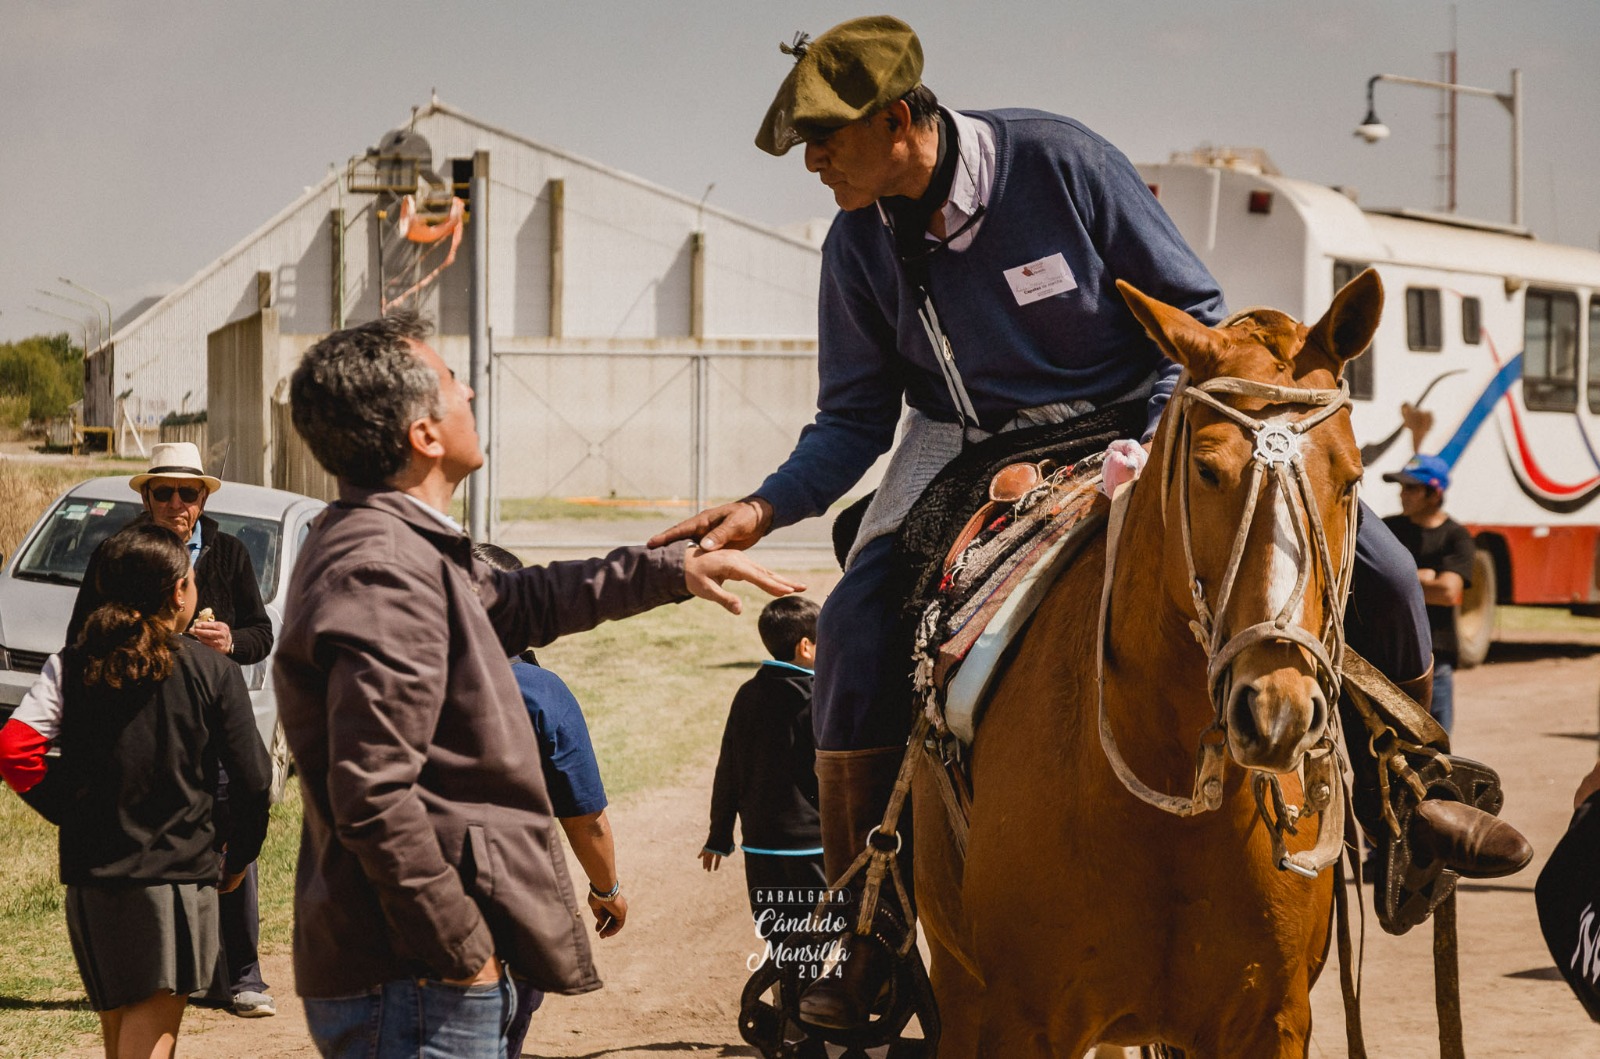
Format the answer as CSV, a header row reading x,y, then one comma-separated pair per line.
x,y
1082,913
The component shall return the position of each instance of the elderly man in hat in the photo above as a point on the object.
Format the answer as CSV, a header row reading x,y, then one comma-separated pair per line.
x,y
971,274
174,490
232,621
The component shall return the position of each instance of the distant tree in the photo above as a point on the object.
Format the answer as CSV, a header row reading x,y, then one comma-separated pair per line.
x,y
47,370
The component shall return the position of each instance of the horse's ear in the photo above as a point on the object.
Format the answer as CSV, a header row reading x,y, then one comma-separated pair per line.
x,y
1180,336
1350,322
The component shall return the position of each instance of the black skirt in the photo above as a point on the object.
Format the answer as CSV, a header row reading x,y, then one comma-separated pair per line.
x,y
133,941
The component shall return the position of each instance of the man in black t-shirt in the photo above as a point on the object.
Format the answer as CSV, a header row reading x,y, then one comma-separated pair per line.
x,y
1443,549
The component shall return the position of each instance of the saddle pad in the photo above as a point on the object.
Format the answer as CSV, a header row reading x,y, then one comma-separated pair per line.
x,y
993,588
967,691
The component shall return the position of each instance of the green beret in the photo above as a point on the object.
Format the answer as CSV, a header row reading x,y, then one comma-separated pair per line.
x,y
850,72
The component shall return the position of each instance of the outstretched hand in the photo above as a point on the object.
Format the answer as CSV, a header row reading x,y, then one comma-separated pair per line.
x,y
736,525
705,571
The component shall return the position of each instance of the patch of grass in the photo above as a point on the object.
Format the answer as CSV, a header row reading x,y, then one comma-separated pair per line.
x,y
655,688
26,489
546,509
45,1010
275,872
1544,620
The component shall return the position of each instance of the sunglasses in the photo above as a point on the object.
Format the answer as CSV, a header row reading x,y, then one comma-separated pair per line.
x,y
162,493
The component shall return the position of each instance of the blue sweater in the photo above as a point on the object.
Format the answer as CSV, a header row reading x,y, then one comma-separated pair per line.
x,y
1058,188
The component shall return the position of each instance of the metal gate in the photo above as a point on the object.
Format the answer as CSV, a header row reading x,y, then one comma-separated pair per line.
x,y
595,446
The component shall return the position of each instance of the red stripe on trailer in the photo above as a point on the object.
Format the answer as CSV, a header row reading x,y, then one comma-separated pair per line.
x,y
1549,564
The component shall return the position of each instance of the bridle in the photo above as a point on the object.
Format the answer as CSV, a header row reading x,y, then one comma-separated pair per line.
x,y
1277,453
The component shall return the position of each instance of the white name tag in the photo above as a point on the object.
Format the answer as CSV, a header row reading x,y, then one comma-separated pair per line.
x,y
1043,278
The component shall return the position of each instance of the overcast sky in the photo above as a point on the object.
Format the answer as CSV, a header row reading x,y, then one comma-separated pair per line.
x,y
144,139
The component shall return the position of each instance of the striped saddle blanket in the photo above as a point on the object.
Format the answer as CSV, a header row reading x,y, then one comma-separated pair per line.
x,y
993,581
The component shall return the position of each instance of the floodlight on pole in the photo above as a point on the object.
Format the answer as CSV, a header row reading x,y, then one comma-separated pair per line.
x,y
1372,130
94,294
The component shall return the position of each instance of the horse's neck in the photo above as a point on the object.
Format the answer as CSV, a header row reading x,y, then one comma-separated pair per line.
x,y
1155,671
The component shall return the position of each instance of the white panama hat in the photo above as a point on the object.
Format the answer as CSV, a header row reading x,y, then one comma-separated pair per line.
x,y
175,459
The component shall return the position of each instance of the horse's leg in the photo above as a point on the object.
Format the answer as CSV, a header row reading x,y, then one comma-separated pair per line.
x,y
960,999
956,989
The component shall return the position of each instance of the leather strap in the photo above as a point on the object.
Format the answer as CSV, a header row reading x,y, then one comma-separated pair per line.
x,y
1349,985
1447,980
1402,710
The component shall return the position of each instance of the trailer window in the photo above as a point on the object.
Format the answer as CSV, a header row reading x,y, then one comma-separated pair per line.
x,y
1424,320
1359,370
1471,321
1550,351
1594,362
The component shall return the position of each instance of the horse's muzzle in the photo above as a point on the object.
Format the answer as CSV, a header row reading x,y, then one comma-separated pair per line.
x,y
1275,719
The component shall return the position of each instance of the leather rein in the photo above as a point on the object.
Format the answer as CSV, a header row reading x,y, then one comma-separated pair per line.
x,y
1277,455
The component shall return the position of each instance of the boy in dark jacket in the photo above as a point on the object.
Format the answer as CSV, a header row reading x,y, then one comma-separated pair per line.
x,y
766,773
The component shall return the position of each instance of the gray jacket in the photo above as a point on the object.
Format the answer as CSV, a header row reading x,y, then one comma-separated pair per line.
x,y
428,842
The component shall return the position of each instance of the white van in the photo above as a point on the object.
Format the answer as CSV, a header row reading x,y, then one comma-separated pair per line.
x,y
1488,356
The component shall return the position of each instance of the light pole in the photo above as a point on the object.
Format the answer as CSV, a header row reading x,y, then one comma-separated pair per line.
x,y
1372,130
71,320
94,311
95,294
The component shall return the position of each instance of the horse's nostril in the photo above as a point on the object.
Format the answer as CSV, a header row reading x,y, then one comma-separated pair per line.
x,y
1242,719
1319,711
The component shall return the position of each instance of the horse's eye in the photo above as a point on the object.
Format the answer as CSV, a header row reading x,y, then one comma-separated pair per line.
x,y
1207,475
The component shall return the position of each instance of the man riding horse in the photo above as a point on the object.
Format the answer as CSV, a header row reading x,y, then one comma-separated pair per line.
x,y
971,273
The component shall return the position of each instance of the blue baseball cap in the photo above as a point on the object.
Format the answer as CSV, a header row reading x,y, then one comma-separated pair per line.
x,y
1422,470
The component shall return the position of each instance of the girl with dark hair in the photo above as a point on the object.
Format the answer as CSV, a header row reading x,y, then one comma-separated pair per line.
x,y
148,717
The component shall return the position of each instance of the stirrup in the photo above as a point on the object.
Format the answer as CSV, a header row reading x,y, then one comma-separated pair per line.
x,y
1407,892
762,1024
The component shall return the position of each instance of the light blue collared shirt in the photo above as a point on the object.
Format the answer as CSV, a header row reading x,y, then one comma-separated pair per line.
x,y
438,515
195,544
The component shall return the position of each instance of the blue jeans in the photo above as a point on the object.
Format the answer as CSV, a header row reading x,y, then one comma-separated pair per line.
x,y
1443,707
414,1018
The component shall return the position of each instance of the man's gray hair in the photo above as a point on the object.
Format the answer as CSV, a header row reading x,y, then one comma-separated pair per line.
x,y
357,392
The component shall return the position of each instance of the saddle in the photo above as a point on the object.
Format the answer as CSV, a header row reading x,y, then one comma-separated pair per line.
x,y
981,540
1037,519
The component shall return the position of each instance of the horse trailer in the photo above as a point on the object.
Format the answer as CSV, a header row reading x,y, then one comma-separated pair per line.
x,y
1488,356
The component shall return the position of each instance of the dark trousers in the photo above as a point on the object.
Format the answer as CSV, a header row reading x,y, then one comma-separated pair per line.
x,y
783,892
239,916
238,922
862,695
770,877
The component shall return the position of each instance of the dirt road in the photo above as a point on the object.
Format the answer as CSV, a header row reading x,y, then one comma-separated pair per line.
x,y
673,976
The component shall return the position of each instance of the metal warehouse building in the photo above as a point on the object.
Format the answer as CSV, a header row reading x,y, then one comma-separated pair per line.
x,y
640,343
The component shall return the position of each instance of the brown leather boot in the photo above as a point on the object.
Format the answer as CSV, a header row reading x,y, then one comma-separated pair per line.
x,y
1468,840
1420,689
852,791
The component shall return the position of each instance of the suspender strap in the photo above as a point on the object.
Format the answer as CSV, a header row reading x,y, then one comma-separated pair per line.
x,y
946,357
